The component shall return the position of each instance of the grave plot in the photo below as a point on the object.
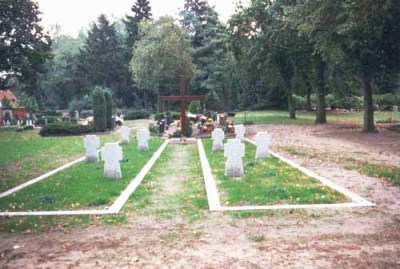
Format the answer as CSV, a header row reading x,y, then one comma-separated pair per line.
x,y
272,183
83,185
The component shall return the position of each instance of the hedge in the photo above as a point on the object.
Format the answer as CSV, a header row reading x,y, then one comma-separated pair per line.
x,y
136,114
66,128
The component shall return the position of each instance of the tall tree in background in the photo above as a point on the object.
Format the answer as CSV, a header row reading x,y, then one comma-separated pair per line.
x,y
160,56
100,62
141,11
24,47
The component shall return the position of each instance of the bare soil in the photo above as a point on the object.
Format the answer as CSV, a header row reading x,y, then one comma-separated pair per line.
x,y
346,238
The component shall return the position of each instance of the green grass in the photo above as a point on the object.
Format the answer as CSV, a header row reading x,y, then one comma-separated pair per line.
x,y
81,186
267,182
189,201
282,117
387,173
27,155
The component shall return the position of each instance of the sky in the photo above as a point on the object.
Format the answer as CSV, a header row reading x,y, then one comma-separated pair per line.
x,y
73,15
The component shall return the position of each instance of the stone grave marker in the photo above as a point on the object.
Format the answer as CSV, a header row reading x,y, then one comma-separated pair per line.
x,y
124,134
111,154
218,136
240,131
91,144
262,140
395,109
77,115
234,152
143,136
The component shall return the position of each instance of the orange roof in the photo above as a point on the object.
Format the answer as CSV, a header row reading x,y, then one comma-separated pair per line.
x,y
9,95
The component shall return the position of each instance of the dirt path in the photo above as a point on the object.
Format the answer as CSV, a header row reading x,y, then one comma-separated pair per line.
x,y
350,238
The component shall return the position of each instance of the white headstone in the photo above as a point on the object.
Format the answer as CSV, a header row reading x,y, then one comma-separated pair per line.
x,y
91,144
76,115
218,136
124,134
240,131
143,136
8,123
29,122
234,151
262,140
395,109
111,154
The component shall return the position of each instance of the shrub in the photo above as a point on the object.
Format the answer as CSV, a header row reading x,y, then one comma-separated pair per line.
x,y
299,102
109,108
52,113
84,103
386,101
194,107
136,114
50,120
65,128
188,127
159,116
99,110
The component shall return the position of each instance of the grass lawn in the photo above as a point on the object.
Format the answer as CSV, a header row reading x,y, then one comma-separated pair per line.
x,y
81,186
388,173
267,182
282,117
26,155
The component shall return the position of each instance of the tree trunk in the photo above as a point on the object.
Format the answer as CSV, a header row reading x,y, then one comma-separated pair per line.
x,y
308,96
321,104
366,82
291,106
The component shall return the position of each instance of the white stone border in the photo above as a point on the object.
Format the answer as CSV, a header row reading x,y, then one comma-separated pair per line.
x,y
215,204
113,209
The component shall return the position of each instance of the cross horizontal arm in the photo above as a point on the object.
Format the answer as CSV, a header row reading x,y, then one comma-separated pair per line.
x,y
182,98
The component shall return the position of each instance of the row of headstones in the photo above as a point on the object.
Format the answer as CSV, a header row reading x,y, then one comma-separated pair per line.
x,y
234,149
111,153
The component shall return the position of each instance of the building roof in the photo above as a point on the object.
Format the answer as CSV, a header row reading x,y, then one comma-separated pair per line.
x,y
9,95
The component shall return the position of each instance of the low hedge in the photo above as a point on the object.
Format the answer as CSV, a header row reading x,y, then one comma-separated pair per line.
x,y
50,120
136,114
66,128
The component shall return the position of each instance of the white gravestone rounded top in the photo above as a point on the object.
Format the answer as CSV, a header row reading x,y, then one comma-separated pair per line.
x,y
124,134
91,143
111,154
143,136
234,151
395,109
218,136
262,140
240,130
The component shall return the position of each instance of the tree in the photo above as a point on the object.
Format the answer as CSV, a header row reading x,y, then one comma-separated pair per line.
x,y
109,106
160,56
141,11
24,47
99,109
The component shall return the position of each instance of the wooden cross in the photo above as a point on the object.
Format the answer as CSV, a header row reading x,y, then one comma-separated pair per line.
x,y
183,99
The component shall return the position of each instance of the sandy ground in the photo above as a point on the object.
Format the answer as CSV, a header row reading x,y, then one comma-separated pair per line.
x,y
348,238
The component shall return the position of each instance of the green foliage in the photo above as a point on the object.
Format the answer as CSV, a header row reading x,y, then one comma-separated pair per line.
x,y
99,110
159,116
195,107
188,127
387,101
162,54
109,109
66,128
135,114
24,46
28,102
5,102
80,104
86,113
50,119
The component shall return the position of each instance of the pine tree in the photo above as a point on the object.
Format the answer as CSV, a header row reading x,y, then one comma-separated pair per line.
x,y
109,105
141,11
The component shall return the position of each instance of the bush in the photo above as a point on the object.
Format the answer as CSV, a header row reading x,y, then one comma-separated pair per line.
x,y
194,107
299,102
386,101
188,127
65,128
99,110
52,113
159,116
136,114
84,103
50,120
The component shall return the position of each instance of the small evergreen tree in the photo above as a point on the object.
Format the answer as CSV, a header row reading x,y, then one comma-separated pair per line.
x,y
99,110
109,106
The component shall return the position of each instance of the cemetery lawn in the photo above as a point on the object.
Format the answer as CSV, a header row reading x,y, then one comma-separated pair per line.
x,y
26,155
305,118
267,182
174,187
81,186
